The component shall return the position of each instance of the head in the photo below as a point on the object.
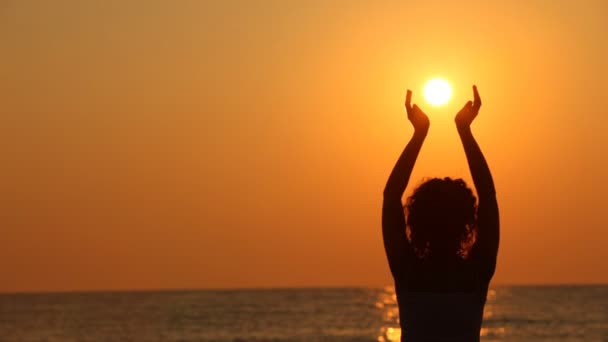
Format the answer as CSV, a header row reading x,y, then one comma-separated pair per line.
x,y
441,217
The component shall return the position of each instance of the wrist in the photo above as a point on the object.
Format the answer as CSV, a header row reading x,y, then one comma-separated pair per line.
x,y
462,129
421,132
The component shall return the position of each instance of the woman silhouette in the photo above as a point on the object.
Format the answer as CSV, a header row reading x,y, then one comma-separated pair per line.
x,y
441,246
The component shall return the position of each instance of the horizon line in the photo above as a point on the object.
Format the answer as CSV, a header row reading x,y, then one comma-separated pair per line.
x,y
270,288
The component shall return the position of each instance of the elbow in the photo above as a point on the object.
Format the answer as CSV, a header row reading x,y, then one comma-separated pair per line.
x,y
392,194
393,190
487,195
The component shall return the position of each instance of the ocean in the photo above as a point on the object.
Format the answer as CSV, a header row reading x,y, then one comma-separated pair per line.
x,y
512,313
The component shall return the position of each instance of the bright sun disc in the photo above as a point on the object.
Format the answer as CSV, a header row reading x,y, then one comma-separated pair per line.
x,y
437,91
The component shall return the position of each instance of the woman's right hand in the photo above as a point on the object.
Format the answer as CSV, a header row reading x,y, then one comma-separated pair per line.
x,y
416,116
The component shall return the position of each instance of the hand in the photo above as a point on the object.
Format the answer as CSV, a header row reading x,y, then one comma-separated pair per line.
x,y
467,114
416,116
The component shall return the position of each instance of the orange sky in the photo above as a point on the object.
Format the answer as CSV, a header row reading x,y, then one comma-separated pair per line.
x,y
161,144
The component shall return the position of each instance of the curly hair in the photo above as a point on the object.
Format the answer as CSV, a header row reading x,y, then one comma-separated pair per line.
x,y
441,217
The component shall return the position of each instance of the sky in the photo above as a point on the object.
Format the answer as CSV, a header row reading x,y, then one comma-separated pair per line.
x,y
228,144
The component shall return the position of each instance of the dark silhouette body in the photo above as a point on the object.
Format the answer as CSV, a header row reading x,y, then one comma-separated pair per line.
x,y
442,245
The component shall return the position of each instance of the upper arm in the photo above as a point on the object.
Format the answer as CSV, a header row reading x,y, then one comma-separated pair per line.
x,y
485,249
397,248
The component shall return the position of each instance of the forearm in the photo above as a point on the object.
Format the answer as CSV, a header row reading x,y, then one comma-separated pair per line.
x,y
482,177
399,178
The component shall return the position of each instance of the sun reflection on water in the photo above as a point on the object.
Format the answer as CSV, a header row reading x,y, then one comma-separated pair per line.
x,y
492,332
387,302
390,335
391,330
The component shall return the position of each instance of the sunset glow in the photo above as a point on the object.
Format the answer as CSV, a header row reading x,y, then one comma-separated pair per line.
x,y
231,144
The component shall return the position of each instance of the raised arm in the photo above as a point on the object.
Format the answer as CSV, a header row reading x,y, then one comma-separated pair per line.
x,y
486,247
398,250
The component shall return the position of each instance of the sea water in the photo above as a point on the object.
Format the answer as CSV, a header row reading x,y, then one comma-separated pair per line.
x,y
512,313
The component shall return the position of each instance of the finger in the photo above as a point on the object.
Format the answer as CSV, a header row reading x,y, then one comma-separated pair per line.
x,y
408,100
466,107
419,112
476,98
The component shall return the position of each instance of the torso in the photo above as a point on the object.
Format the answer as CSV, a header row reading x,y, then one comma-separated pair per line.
x,y
456,275
450,295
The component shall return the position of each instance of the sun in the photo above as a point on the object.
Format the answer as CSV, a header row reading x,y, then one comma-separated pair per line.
x,y
437,91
